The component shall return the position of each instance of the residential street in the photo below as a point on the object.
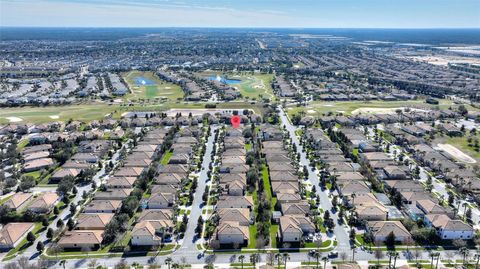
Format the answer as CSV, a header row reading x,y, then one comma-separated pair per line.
x,y
31,251
189,242
341,233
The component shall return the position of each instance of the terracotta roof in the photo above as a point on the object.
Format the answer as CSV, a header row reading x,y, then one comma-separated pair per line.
x,y
45,200
444,222
81,237
95,220
232,227
149,227
384,228
14,231
156,214
18,199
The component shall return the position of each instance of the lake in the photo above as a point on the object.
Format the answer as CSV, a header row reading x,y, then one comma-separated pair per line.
x,y
224,80
141,81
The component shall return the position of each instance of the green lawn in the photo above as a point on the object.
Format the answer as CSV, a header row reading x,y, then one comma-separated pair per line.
x,y
166,157
34,174
251,86
273,235
24,244
252,243
317,108
97,111
161,89
461,143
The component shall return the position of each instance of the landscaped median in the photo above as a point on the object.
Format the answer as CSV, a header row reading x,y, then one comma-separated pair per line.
x,y
105,253
327,246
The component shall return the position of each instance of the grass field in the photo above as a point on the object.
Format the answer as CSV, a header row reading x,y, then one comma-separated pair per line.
x,y
252,86
98,111
161,89
461,143
317,108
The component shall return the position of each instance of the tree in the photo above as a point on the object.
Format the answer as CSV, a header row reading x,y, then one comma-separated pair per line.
x,y
122,264
31,237
92,264
317,254
168,262
65,185
379,254
56,211
50,233
241,259
390,240
40,246
286,257
254,259
26,183
278,257
463,251
325,260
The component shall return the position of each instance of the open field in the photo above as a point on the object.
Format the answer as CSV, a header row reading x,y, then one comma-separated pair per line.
x,y
467,155
456,153
158,89
252,86
317,108
98,111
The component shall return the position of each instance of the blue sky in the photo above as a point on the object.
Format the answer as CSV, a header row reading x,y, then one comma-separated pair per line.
x,y
243,13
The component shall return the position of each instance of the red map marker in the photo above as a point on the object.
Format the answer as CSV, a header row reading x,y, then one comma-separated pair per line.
x,y
235,121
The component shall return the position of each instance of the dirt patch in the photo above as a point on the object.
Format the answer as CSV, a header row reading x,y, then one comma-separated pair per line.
x,y
456,153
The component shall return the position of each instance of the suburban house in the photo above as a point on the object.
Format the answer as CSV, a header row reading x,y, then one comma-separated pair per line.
x,y
44,203
156,214
101,206
241,215
232,233
81,239
18,201
449,229
161,200
382,229
120,182
113,194
93,221
150,232
292,228
13,233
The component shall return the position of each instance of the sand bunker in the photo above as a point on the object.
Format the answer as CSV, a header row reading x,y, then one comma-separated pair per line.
x,y
311,111
168,88
14,119
54,117
456,153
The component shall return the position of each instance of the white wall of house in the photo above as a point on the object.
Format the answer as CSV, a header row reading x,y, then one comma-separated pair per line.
x,y
449,234
292,236
230,238
144,240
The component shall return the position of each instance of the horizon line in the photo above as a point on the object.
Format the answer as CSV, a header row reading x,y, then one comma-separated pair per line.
x,y
244,27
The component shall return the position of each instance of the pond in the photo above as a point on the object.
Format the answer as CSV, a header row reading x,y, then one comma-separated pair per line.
x,y
141,81
224,80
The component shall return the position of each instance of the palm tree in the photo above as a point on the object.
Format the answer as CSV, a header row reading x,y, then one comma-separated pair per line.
x,y
325,260
317,255
477,257
278,256
465,210
168,261
286,257
432,255
254,258
354,249
464,252
241,258
395,256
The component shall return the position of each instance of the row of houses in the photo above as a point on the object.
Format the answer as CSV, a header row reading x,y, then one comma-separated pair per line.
x,y
395,178
292,210
156,224
234,209
92,221
404,115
